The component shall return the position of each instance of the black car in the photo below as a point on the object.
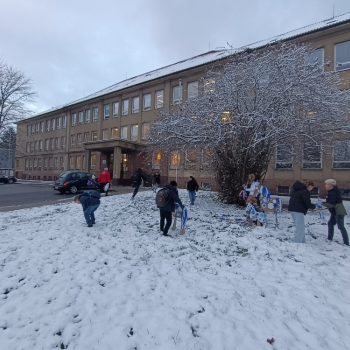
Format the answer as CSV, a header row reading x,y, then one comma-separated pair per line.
x,y
72,181
7,179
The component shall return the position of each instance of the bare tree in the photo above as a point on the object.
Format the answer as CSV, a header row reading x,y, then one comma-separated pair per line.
x,y
15,95
280,97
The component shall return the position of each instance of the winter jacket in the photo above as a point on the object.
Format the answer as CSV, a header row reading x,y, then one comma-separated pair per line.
x,y
104,177
156,179
334,202
300,199
192,185
138,177
173,198
90,197
250,188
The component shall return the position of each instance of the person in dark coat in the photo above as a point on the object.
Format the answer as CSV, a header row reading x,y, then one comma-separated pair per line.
x,y
334,203
155,181
299,204
90,201
137,180
169,208
192,188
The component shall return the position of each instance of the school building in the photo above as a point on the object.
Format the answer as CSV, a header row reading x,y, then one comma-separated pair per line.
x,y
109,128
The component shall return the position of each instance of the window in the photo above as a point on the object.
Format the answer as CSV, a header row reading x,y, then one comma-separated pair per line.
x,y
175,159
80,117
28,147
86,137
36,146
37,127
47,144
105,134
51,162
159,99
115,109
52,144
95,114
40,145
205,186
124,132
312,156
30,164
106,111
57,143
71,162
78,162
74,119
157,158
79,139
93,135
83,162
56,163
134,132
35,163
284,157
341,154
63,142
58,123
125,107
28,129
209,85
345,192
146,102
27,164
46,162
192,89
39,163
315,192
72,140
135,104
93,161
190,160
53,123
41,126
32,147
342,56
33,128
315,57
177,94
64,122
87,116
61,163
145,130
114,133
48,125
283,190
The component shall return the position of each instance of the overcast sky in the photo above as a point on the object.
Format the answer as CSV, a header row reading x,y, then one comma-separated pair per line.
x,y
71,48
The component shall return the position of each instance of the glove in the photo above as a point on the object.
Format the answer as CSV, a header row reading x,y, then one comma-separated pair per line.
x,y
318,205
182,207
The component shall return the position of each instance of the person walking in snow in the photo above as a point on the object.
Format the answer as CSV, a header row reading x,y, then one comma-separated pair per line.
x,y
137,180
167,210
334,203
104,178
299,204
155,181
192,188
251,185
90,200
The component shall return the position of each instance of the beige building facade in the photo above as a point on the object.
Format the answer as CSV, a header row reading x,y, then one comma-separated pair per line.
x,y
110,128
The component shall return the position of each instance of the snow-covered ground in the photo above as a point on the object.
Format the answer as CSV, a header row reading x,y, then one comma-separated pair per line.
x,y
120,285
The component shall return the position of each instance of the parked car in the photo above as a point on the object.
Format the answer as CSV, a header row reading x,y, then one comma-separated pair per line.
x,y
7,179
72,181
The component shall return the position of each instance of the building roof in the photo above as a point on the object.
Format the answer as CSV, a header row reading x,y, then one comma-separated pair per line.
x,y
206,58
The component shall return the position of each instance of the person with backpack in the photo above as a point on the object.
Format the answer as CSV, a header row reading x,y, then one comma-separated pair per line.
x,y
103,179
155,181
192,188
165,199
137,179
90,200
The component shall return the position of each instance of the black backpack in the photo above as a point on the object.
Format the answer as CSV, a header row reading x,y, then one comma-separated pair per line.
x,y
136,177
162,197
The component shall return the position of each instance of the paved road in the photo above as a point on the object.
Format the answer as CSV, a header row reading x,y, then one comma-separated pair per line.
x,y
34,194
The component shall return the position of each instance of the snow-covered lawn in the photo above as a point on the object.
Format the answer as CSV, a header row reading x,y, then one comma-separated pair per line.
x,y
120,285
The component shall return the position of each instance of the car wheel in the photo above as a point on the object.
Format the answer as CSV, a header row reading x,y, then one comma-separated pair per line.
x,y
73,189
10,181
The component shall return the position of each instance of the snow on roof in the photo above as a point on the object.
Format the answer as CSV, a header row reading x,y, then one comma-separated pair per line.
x,y
205,58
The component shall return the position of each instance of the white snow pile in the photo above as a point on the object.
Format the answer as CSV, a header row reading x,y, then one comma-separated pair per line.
x,y
121,285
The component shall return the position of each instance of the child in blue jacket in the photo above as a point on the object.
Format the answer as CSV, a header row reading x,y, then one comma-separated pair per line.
x,y
90,200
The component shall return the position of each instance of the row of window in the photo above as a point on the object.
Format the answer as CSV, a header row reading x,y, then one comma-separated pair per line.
x,y
50,124
50,144
312,156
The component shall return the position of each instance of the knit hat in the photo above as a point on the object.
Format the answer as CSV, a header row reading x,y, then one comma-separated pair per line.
x,y
331,182
105,169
